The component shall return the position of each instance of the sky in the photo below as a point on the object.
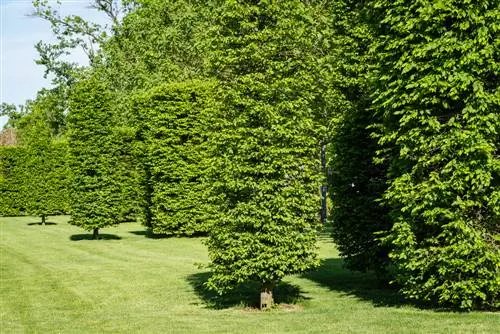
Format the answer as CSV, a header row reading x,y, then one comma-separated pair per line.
x,y
20,77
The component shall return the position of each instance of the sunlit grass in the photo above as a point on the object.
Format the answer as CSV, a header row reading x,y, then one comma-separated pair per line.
x,y
55,280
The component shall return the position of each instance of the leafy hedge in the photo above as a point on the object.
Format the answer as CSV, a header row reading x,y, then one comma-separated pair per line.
x,y
12,175
438,94
175,157
34,181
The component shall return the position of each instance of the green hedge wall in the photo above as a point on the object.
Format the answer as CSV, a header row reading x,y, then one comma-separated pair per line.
x,y
438,96
12,176
174,157
34,181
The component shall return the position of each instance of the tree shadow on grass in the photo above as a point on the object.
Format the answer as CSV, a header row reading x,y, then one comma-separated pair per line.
x,y
149,234
102,236
246,295
364,286
40,223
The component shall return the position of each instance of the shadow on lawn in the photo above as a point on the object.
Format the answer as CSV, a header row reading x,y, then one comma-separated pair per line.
x,y
149,234
246,295
102,236
364,286
40,223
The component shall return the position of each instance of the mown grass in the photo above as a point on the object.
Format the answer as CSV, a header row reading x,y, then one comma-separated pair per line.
x,y
55,280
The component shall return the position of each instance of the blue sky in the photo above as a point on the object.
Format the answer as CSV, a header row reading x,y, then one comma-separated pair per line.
x,y
21,78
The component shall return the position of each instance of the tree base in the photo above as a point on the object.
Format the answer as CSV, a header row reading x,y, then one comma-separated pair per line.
x,y
266,296
95,234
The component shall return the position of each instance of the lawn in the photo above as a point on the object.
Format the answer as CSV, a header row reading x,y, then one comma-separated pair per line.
x,y
55,280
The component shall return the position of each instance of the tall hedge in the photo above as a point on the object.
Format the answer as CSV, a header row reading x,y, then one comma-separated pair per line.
x,y
96,196
12,174
176,118
267,142
34,177
438,94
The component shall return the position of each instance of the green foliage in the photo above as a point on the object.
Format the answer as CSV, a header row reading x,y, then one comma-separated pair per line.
x,y
46,180
266,141
12,174
34,180
439,98
159,41
35,174
96,190
176,119
355,182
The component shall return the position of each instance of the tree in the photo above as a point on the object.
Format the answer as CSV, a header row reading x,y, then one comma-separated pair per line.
x,y
72,32
44,184
13,113
95,190
438,97
266,143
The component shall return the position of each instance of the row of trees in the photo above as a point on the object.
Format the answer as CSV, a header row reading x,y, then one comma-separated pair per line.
x,y
209,116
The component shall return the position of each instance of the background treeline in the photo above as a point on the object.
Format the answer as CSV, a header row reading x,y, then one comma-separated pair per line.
x,y
209,117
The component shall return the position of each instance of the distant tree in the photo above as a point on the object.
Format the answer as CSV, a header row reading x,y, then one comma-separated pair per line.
x,y
36,169
266,142
13,113
72,32
158,45
12,174
46,174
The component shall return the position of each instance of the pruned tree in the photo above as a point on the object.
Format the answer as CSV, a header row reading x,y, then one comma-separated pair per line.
x,y
12,173
266,142
45,182
94,158
438,90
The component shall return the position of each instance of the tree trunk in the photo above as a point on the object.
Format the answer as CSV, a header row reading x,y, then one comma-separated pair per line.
x,y
95,234
266,296
43,219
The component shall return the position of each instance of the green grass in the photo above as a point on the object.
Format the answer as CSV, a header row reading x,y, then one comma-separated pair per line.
x,y
54,280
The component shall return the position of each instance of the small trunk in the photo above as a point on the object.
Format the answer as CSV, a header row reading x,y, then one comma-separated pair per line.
x,y
266,296
95,234
43,219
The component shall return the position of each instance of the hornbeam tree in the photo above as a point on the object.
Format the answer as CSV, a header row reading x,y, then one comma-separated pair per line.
x,y
45,183
94,159
438,96
266,141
